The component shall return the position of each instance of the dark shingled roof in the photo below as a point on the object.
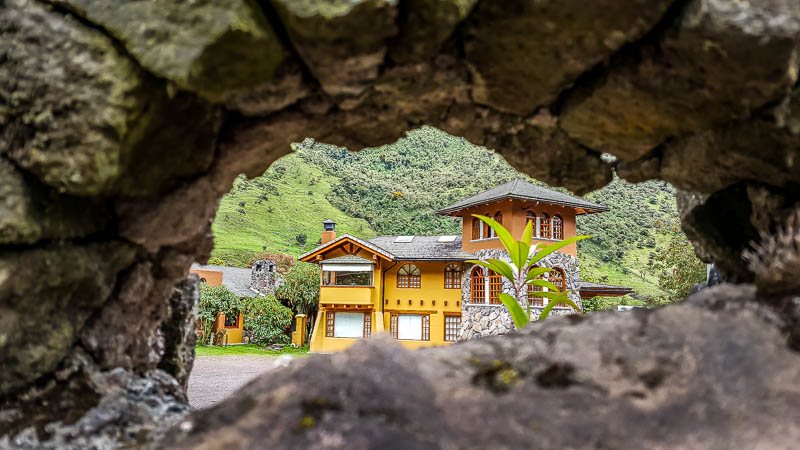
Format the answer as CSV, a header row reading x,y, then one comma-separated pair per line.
x,y
237,280
523,190
422,248
348,259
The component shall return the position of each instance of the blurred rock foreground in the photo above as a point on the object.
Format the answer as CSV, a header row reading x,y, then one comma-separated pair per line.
x,y
123,122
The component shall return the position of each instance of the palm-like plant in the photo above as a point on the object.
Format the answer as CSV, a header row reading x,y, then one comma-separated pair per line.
x,y
522,272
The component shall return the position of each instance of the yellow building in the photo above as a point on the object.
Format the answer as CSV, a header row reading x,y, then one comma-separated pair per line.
x,y
421,289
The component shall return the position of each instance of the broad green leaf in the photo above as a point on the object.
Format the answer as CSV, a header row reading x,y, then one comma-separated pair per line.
x,y
527,235
518,315
536,272
553,296
543,283
553,302
523,248
496,265
505,237
548,249
501,267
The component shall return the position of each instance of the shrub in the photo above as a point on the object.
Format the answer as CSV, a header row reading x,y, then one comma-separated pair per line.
x,y
213,301
268,320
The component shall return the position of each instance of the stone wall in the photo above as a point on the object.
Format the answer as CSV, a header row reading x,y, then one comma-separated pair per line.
x,y
264,276
480,320
119,133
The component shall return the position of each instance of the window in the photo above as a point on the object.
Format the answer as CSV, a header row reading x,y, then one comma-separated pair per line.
x,y
559,278
478,285
487,231
544,226
476,229
348,324
409,276
330,316
558,227
532,299
495,288
452,327
347,278
231,321
498,217
530,216
452,276
367,324
414,327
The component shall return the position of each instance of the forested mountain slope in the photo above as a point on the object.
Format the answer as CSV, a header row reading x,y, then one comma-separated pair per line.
x,y
396,189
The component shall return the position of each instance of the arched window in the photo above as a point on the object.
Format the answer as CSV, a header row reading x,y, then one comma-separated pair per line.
x,y
409,276
544,226
487,231
478,285
532,298
498,217
452,276
558,227
476,228
530,216
559,278
495,288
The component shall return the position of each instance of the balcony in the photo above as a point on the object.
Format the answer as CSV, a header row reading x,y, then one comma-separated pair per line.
x,y
351,295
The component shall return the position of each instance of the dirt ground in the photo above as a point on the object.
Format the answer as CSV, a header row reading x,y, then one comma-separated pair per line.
x,y
214,378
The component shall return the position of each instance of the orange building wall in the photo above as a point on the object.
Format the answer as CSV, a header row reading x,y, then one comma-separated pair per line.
x,y
212,277
514,219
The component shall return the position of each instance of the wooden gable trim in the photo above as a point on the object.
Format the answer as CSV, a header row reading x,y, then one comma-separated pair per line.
x,y
348,245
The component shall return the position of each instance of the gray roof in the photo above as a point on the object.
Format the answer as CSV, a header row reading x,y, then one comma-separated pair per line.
x,y
423,248
348,259
523,190
347,236
602,287
236,279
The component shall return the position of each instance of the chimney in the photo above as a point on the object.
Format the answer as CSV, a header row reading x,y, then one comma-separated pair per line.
x,y
329,231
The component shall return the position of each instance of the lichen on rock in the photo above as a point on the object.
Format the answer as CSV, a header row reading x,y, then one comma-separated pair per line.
x,y
211,47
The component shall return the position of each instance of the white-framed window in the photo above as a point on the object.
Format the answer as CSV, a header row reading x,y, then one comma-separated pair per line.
x,y
348,325
413,327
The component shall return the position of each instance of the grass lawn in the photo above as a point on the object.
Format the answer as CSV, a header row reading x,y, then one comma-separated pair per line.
x,y
248,349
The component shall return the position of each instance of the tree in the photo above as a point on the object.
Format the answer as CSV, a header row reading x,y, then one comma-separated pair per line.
x,y
301,289
213,301
268,319
677,267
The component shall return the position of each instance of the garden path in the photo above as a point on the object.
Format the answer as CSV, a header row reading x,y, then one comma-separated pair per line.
x,y
214,378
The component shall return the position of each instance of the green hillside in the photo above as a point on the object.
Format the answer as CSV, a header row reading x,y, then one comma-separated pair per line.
x,y
280,211
396,189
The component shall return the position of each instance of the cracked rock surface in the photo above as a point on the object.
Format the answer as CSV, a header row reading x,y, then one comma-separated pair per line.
x,y
122,123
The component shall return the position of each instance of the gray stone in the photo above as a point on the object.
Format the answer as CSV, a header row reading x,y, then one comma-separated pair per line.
x,y
29,212
124,410
524,53
51,65
216,48
342,43
661,92
428,24
46,296
562,373
180,331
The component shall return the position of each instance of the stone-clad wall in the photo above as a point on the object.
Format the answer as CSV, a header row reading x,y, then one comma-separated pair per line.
x,y
479,320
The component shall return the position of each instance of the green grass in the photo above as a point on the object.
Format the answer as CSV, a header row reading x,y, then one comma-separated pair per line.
x,y
287,201
248,349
